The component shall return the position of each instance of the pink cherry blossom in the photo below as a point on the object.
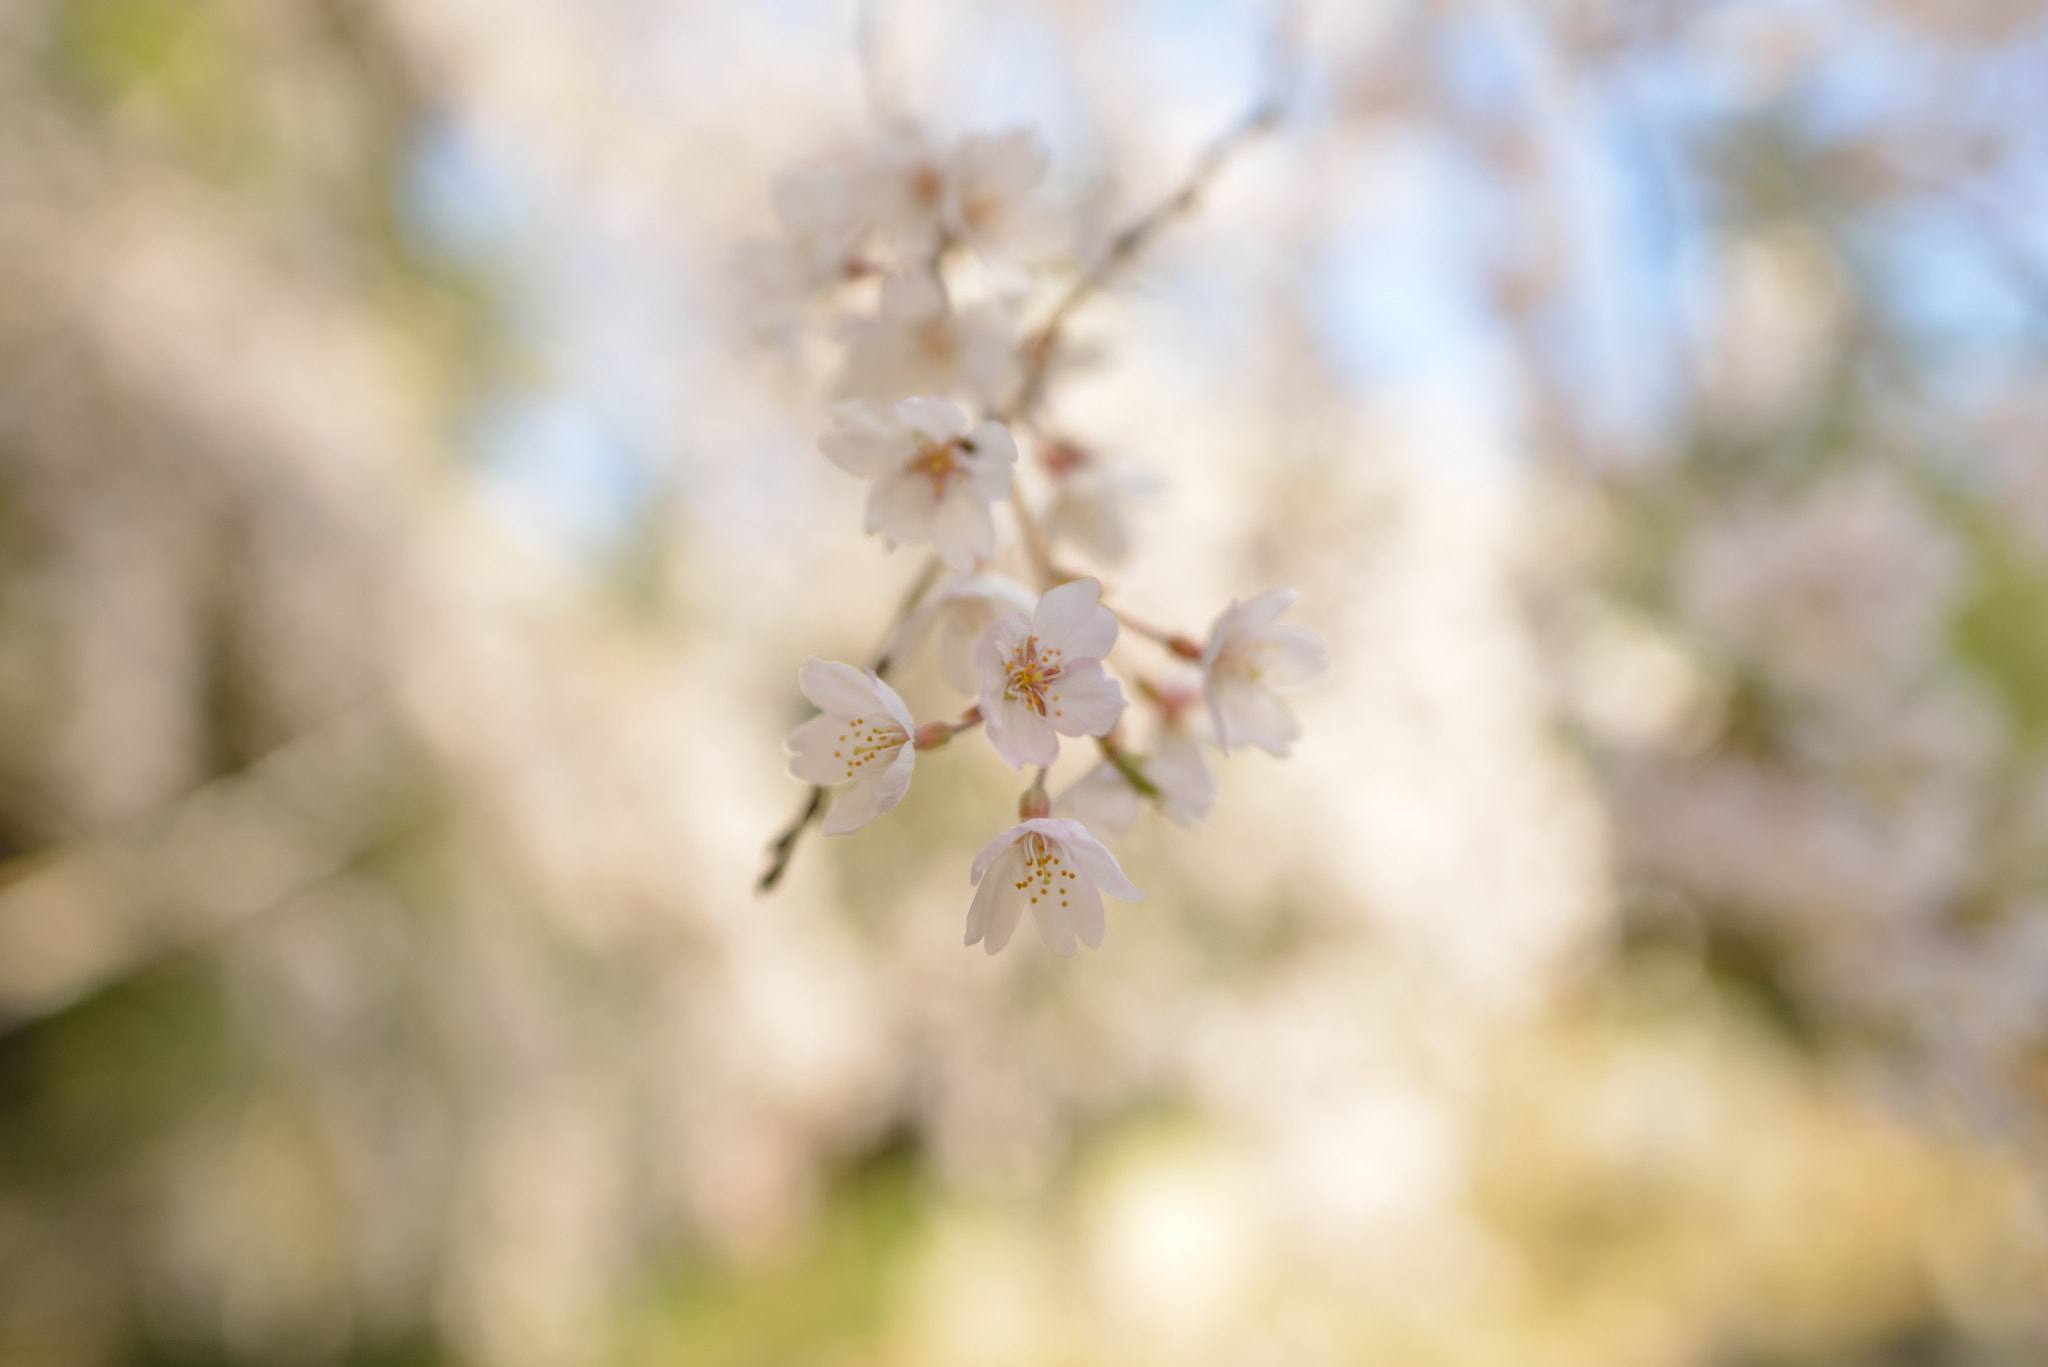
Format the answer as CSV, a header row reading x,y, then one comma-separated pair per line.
x,y
862,736
1250,656
933,477
1042,676
1053,866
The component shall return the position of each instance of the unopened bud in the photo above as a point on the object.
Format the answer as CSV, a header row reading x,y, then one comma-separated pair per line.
x,y
1033,804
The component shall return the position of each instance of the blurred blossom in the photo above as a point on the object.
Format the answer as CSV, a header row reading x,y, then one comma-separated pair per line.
x,y
1845,587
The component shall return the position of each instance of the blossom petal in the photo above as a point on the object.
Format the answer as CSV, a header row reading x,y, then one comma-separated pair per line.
x,y
1090,858
990,852
838,689
1055,921
998,905
1002,637
1298,655
811,746
1086,912
1101,799
956,650
991,458
1017,732
939,419
963,530
1264,609
1247,714
900,507
1069,619
854,807
1084,701
892,703
865,440
871,796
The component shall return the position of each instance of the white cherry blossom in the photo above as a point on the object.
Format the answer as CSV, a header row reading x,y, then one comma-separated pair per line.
x,y
902,190
918,344
934,477
1053,866
1249,657
992,180
959,611
1042,676
813,252
862,736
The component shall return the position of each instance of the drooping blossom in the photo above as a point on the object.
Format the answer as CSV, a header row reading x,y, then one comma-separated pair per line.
x,y
916,343
934,476
958,612
1249,657
1054,867
861,736
1042,676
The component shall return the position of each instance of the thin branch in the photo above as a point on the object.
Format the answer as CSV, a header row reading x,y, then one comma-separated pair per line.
x,y
1126,245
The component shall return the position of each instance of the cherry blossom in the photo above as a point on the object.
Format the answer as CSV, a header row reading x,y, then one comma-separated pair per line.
x,y
1052,865
959,611
917,344
1042,676
934,477
902,190
814,251
1249,657
993,177
862,735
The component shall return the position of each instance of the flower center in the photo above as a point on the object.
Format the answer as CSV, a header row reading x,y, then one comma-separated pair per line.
x,y
1247,659
863,742
1045,865
1032,672
936,462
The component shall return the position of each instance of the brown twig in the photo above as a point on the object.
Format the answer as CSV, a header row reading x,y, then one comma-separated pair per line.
x,y
1126,245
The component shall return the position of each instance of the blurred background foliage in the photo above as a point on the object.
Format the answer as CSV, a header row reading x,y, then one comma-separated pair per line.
x,y
404,558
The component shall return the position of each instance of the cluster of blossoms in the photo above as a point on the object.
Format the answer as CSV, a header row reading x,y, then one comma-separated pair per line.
x,y
935,393
1856,816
